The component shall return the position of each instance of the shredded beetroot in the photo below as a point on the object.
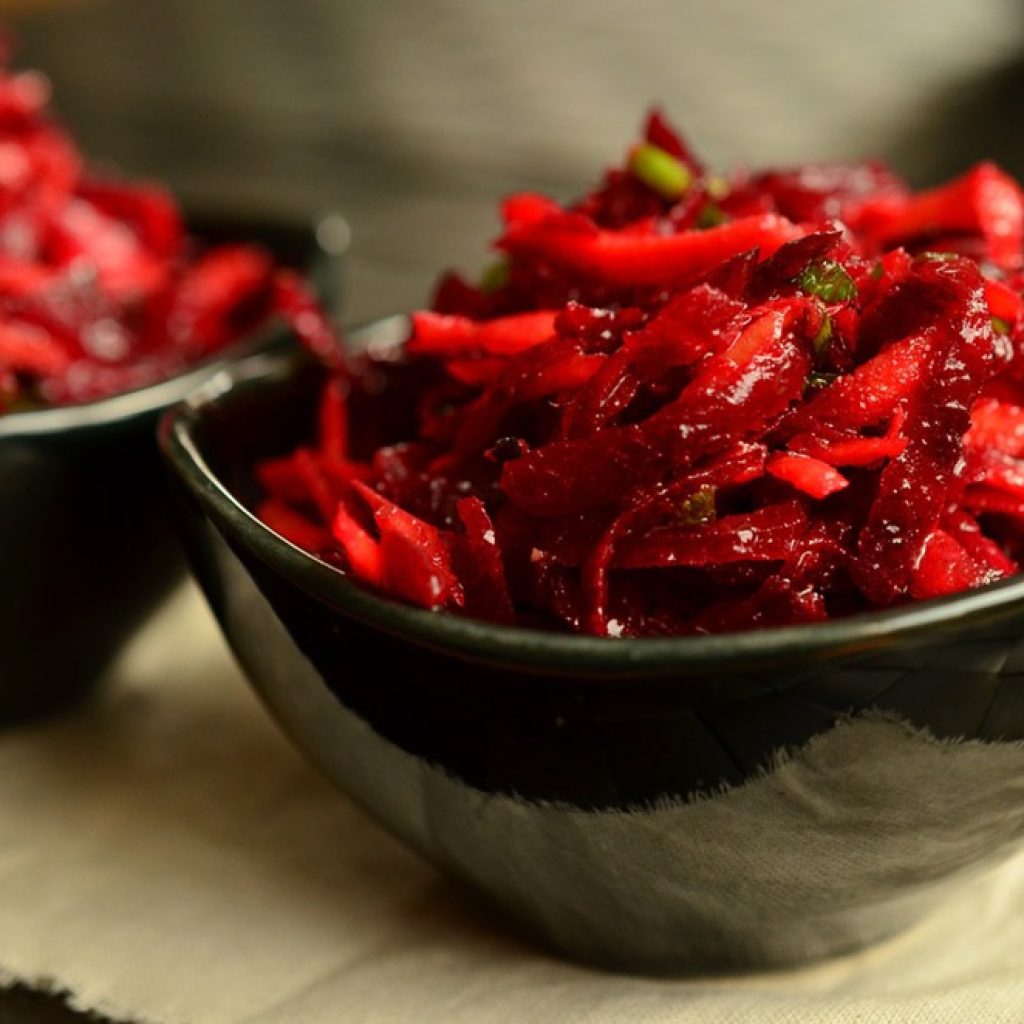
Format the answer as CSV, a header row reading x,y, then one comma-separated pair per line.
x,y
101,289
687,404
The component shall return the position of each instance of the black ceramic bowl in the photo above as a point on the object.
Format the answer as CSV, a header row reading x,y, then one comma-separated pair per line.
x,y
86,545
665,805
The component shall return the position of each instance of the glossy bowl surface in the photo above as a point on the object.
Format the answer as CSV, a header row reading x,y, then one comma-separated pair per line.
x,y
754,799
86,544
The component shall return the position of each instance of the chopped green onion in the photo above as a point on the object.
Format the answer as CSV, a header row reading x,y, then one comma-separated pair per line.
x,y
494,277
699,507
710,216
937,257
717,186
1000,326
823,339
24,401
660,171
829,281
816,381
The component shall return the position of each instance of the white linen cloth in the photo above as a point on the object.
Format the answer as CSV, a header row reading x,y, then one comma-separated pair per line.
x,y
166,857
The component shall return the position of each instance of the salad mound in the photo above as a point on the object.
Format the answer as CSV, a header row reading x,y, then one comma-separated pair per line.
x,y
689,403
101,289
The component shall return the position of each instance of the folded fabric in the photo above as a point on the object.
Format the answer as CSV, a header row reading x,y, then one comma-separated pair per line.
x,y
167,857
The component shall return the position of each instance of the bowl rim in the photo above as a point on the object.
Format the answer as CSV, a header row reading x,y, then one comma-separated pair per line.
x,y
329,234
527,649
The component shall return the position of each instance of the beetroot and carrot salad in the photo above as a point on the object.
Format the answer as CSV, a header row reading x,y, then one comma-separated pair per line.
x,y
688,404
101,289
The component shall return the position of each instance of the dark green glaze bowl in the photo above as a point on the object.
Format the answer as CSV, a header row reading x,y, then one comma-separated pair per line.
x,y
664,805
86,545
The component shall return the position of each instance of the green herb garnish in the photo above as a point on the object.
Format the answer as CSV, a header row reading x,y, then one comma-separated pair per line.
x,y
494,277
24,401
699,507
816,380
717,187
823,339
710,216
1000,326
829,281
660,171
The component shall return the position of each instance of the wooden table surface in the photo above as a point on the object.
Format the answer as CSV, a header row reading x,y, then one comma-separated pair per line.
x,y
411,118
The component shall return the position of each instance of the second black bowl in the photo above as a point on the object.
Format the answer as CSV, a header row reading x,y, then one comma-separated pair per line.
x,y
86,544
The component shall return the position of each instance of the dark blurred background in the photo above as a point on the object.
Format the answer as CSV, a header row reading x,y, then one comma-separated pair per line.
x,y
411,117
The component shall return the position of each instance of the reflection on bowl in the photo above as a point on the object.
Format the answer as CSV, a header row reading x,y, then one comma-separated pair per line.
x,y
665,805
86,547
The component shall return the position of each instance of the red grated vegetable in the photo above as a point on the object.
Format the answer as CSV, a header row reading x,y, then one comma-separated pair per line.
x,y
814,477
688,403
101,289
